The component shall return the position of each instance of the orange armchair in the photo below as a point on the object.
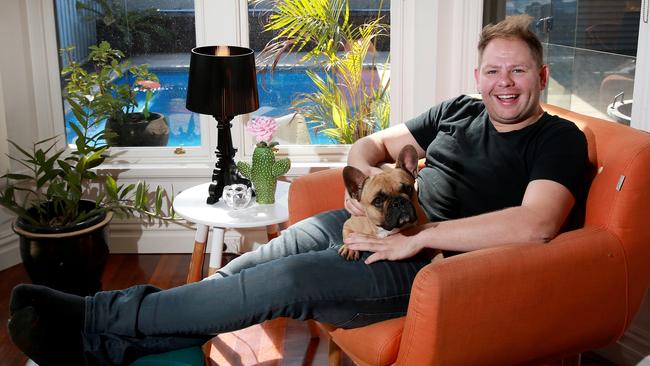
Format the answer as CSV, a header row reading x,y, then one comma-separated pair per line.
x,y
521,303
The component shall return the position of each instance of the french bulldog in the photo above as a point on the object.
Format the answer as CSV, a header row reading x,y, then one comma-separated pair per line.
x,y
389,199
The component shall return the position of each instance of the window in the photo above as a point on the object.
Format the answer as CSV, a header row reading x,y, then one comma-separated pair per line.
x,y
591,48
232,28
334,87
158,33
353,102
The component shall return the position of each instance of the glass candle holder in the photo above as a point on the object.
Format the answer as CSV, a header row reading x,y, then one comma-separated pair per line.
x,y
237,196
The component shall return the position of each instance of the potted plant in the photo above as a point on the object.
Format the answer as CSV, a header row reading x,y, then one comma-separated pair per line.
x,y
102,91
63,205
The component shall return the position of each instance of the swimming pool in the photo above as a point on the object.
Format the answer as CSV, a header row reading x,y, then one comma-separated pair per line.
x,y
275,93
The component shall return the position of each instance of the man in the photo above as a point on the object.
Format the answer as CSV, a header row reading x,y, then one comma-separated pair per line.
x,y
497,171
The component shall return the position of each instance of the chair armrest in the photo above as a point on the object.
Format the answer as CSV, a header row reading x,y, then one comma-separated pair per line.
x,y
518,303
314,193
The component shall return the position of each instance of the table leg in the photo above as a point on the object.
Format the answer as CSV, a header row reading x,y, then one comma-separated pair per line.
x,y
217,250
196,263
272,231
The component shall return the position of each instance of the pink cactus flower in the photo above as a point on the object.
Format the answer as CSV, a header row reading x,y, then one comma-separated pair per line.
x,y
262,128
148,84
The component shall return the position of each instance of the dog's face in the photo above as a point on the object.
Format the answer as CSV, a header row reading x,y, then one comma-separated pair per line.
x,y
389,197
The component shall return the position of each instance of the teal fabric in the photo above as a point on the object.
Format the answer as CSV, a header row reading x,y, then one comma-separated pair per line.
x,y
183,357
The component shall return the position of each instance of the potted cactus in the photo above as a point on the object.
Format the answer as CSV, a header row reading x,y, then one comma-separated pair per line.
x,y
264,169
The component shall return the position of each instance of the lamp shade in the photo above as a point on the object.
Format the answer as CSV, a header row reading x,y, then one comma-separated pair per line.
x,y
222,81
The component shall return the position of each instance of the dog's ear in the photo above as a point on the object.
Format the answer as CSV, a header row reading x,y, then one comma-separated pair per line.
x,y
354,180
408,160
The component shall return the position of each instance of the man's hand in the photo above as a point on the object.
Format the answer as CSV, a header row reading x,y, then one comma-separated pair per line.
x,y
393,247
353,206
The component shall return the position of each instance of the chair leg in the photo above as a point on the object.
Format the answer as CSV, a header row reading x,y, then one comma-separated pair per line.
x,y
206,347
314,330
334,358
335,353
312,346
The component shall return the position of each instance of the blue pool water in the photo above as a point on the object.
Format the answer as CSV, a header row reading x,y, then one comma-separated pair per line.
x,y
275,92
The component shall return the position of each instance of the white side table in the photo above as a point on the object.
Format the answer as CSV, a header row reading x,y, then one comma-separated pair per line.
x,y
191,205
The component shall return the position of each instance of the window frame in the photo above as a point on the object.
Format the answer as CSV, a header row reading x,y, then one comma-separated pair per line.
x,y
232,28
641,111
414,69
640,118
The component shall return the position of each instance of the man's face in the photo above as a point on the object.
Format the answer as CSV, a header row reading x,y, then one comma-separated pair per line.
x,y
510,83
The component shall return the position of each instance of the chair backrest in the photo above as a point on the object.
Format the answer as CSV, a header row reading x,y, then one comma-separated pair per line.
x,y
324,190
619,196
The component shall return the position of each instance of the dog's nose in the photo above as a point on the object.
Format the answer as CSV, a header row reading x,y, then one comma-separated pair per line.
x,y
400,212
398,201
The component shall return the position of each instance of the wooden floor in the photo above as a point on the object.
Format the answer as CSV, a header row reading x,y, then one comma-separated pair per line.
x,y
279,342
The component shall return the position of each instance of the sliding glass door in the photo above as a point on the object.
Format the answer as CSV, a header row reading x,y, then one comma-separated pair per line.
x,y
591,48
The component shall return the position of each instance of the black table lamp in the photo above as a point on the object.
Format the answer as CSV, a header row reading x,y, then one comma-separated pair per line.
x,y
222,83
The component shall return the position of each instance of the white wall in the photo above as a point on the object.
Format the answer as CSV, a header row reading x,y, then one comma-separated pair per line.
x,y
641,111
457,36
16,70
17,97
435,54
4,145
8,253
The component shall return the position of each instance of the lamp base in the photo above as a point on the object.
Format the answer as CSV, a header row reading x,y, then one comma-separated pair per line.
x,y
225,170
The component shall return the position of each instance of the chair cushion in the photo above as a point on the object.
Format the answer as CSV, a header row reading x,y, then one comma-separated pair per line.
x,y
192,356
375,344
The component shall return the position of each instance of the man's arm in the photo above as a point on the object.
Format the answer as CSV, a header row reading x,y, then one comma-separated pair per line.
x,y
381,147
544,208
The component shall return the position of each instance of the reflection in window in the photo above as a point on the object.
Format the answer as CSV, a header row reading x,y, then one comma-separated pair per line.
x,y
590,47
326,79
158,33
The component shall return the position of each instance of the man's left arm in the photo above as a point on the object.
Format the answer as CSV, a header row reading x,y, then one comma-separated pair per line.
x,y
545,206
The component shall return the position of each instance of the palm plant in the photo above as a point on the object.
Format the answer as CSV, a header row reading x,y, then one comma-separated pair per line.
x,y
351,100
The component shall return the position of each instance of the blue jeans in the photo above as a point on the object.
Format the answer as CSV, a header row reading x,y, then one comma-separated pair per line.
x,y
298,275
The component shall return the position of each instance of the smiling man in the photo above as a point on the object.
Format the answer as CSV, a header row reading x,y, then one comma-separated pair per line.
x,y
498,171
510,78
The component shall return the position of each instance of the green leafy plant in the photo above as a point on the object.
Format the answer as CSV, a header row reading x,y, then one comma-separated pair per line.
x,y
97,90
352,99
52,181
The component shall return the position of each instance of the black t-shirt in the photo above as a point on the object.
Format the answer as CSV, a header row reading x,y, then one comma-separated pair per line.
x,y
471,168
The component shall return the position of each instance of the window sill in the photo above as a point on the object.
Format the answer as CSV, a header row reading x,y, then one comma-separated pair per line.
x,y
201,170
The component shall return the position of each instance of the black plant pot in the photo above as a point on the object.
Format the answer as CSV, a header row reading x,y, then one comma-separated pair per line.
x,y
71,259
137,131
